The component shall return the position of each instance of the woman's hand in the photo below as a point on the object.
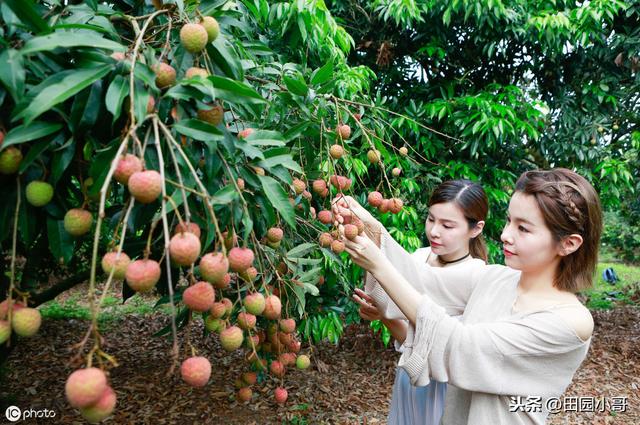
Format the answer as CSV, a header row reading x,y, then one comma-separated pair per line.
x,y
345,206
364,252
368,308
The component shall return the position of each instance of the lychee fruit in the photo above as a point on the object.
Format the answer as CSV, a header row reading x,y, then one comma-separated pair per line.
x,y
26,321
191,227
127,165
325,240
384,206
240,259
319,186
85,387
213,324
212,116
211,26
142,275
224,283
39,193
102,409
196,72
249,378
228,305
249,274
275,234
277,368
312,213
287,359
340,182
214,267
231,338
243,134
280,395
373,156
357,117
299,186
230,240
396,171
337,246
375,199
184,248
288,325
145,186
245,394
218,310
246,321
77,221
395,205
118,56
254,303
196,371
10,159
325,216
240,183
272,307
193,37
404,151
303,362
350,231
199,297
165,75
120,265
5,331
294,346
345,131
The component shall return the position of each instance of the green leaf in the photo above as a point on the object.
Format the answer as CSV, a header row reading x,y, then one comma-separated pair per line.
x,y
279,199
26,11
226,195
296,85
29,132
116,93
322,75
225,58
265,138
61,91
199,130
61,160
61,242
12,73
69,39
234,91
301,250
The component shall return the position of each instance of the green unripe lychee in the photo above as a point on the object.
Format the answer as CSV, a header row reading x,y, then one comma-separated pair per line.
x,y
77,221
193,37
212,27
39,193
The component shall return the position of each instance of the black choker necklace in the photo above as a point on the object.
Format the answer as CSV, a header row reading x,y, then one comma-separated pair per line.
x,y
454,261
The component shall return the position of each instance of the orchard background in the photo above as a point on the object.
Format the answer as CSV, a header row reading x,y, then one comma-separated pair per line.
x,y
198,145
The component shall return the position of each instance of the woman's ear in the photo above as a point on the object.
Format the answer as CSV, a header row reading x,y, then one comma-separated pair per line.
x,y
569,245
477,229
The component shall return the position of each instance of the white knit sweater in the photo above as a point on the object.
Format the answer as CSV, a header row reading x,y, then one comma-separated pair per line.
x,y
491,353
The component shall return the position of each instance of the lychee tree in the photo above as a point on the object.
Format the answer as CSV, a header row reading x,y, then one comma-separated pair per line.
x,y
189,149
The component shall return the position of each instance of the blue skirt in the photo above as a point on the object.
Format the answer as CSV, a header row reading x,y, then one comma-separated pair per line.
x,y
416,405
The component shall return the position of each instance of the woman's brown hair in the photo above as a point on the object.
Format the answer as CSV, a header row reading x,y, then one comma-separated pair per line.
x,y
472,200
569,205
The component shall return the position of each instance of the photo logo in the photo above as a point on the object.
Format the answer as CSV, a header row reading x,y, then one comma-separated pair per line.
x,y
13,413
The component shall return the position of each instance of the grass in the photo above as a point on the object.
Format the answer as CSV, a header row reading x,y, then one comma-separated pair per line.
x,y
112,311
604,296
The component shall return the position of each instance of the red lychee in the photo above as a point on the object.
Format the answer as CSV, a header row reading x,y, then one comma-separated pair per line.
x,y
240,259
84,387
254,303
127,165
231,338
196,371
272,307
145,186
214,267
184,248
142,275
199,297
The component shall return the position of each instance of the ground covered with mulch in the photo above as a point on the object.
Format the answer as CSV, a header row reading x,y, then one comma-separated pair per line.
x,y
347,384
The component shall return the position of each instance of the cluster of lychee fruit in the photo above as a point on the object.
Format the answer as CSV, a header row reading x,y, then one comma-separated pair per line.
x,y
87,390
392,205
25,321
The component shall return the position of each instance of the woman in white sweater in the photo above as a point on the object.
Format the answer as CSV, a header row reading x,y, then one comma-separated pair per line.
x,y
457,213
523,331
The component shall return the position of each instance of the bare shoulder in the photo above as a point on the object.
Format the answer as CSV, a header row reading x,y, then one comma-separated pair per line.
x,y
579,318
